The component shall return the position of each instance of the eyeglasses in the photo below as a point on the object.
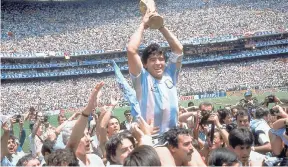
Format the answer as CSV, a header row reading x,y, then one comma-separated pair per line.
x,y
127,115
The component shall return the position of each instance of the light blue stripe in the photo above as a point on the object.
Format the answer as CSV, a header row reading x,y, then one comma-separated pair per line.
x,y
144,92
173,99
158,112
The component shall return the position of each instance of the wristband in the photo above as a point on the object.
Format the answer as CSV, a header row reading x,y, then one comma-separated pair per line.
x,y
84,115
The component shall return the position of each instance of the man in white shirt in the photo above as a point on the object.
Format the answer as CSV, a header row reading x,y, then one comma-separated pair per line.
x,y
240,142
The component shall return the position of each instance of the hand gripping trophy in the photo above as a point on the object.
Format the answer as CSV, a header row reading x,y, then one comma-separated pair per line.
x,y
155,20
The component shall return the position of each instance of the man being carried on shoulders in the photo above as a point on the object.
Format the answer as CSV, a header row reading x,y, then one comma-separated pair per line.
x,y
153,79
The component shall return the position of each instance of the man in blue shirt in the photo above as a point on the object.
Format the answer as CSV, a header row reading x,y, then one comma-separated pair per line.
x,y
153,79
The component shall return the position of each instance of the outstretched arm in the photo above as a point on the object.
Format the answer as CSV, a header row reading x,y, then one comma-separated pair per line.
x,y
174,43
134,61
78,129
4,140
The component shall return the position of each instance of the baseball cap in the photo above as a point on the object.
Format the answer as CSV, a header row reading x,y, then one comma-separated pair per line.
x,y
248,93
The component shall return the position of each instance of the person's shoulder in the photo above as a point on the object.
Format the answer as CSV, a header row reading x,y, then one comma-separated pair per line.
x,y
95,160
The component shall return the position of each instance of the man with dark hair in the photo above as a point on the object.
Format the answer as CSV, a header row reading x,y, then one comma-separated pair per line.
x,y
190,104
118,147
240,142
260,130
62,157
47,148
153,79
127,123
181,152
206,106
243,118
28,160
143,155
223,157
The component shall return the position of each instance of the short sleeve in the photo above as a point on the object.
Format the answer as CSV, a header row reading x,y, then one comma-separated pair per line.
x,y
173,67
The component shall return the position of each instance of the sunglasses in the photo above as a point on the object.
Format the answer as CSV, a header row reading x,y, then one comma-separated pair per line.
x,y
127,115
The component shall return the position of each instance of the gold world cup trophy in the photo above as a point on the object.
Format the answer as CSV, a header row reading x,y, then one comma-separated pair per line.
x,y
155,20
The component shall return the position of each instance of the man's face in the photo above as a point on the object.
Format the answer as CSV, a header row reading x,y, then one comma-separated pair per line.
x,y
243,121
206,108
33,162
228,119
128,116
12,146
242,152
113,127
248,97
122,151
61,120
217,141
234,112
185,148
155,65
84,144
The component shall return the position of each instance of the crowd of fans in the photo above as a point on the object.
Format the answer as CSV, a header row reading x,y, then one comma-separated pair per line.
x,y
255,137
71,93
76,26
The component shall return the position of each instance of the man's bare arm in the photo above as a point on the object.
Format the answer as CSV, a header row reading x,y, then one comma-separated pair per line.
x,y
134,61
4,140
78,129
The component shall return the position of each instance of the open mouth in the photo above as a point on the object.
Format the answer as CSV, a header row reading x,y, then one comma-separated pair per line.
x,y
11,149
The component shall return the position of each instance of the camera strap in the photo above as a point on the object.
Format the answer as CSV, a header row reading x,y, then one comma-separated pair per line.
x,y
40,138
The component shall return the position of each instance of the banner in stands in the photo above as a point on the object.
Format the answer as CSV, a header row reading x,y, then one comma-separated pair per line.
x,y
185,98
210,95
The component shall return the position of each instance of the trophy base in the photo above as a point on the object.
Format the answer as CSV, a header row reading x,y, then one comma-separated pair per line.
x,y
155,21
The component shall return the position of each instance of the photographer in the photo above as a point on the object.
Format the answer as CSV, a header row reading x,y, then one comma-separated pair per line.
x,y
278,134
271,99
248,102
260,130
36,137
31,117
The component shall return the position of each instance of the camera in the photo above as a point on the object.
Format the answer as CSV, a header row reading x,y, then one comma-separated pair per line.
x,y
45,118
205,115
270,99
17,117
273,112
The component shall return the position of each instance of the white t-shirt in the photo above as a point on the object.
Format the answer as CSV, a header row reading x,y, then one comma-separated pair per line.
x,y
94,161
263,138
35,145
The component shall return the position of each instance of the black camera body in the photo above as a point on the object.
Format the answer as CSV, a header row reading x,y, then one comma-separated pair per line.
x,y
205,115
45,118
270,99
17,117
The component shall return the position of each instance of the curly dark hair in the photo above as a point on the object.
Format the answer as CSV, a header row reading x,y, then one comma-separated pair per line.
x,y
143,156
152,49
171,136
113,143
62,156
25,159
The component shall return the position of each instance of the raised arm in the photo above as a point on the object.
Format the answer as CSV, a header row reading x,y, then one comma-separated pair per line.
x,y
4,140
60,127
172,40
134,61
78,129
